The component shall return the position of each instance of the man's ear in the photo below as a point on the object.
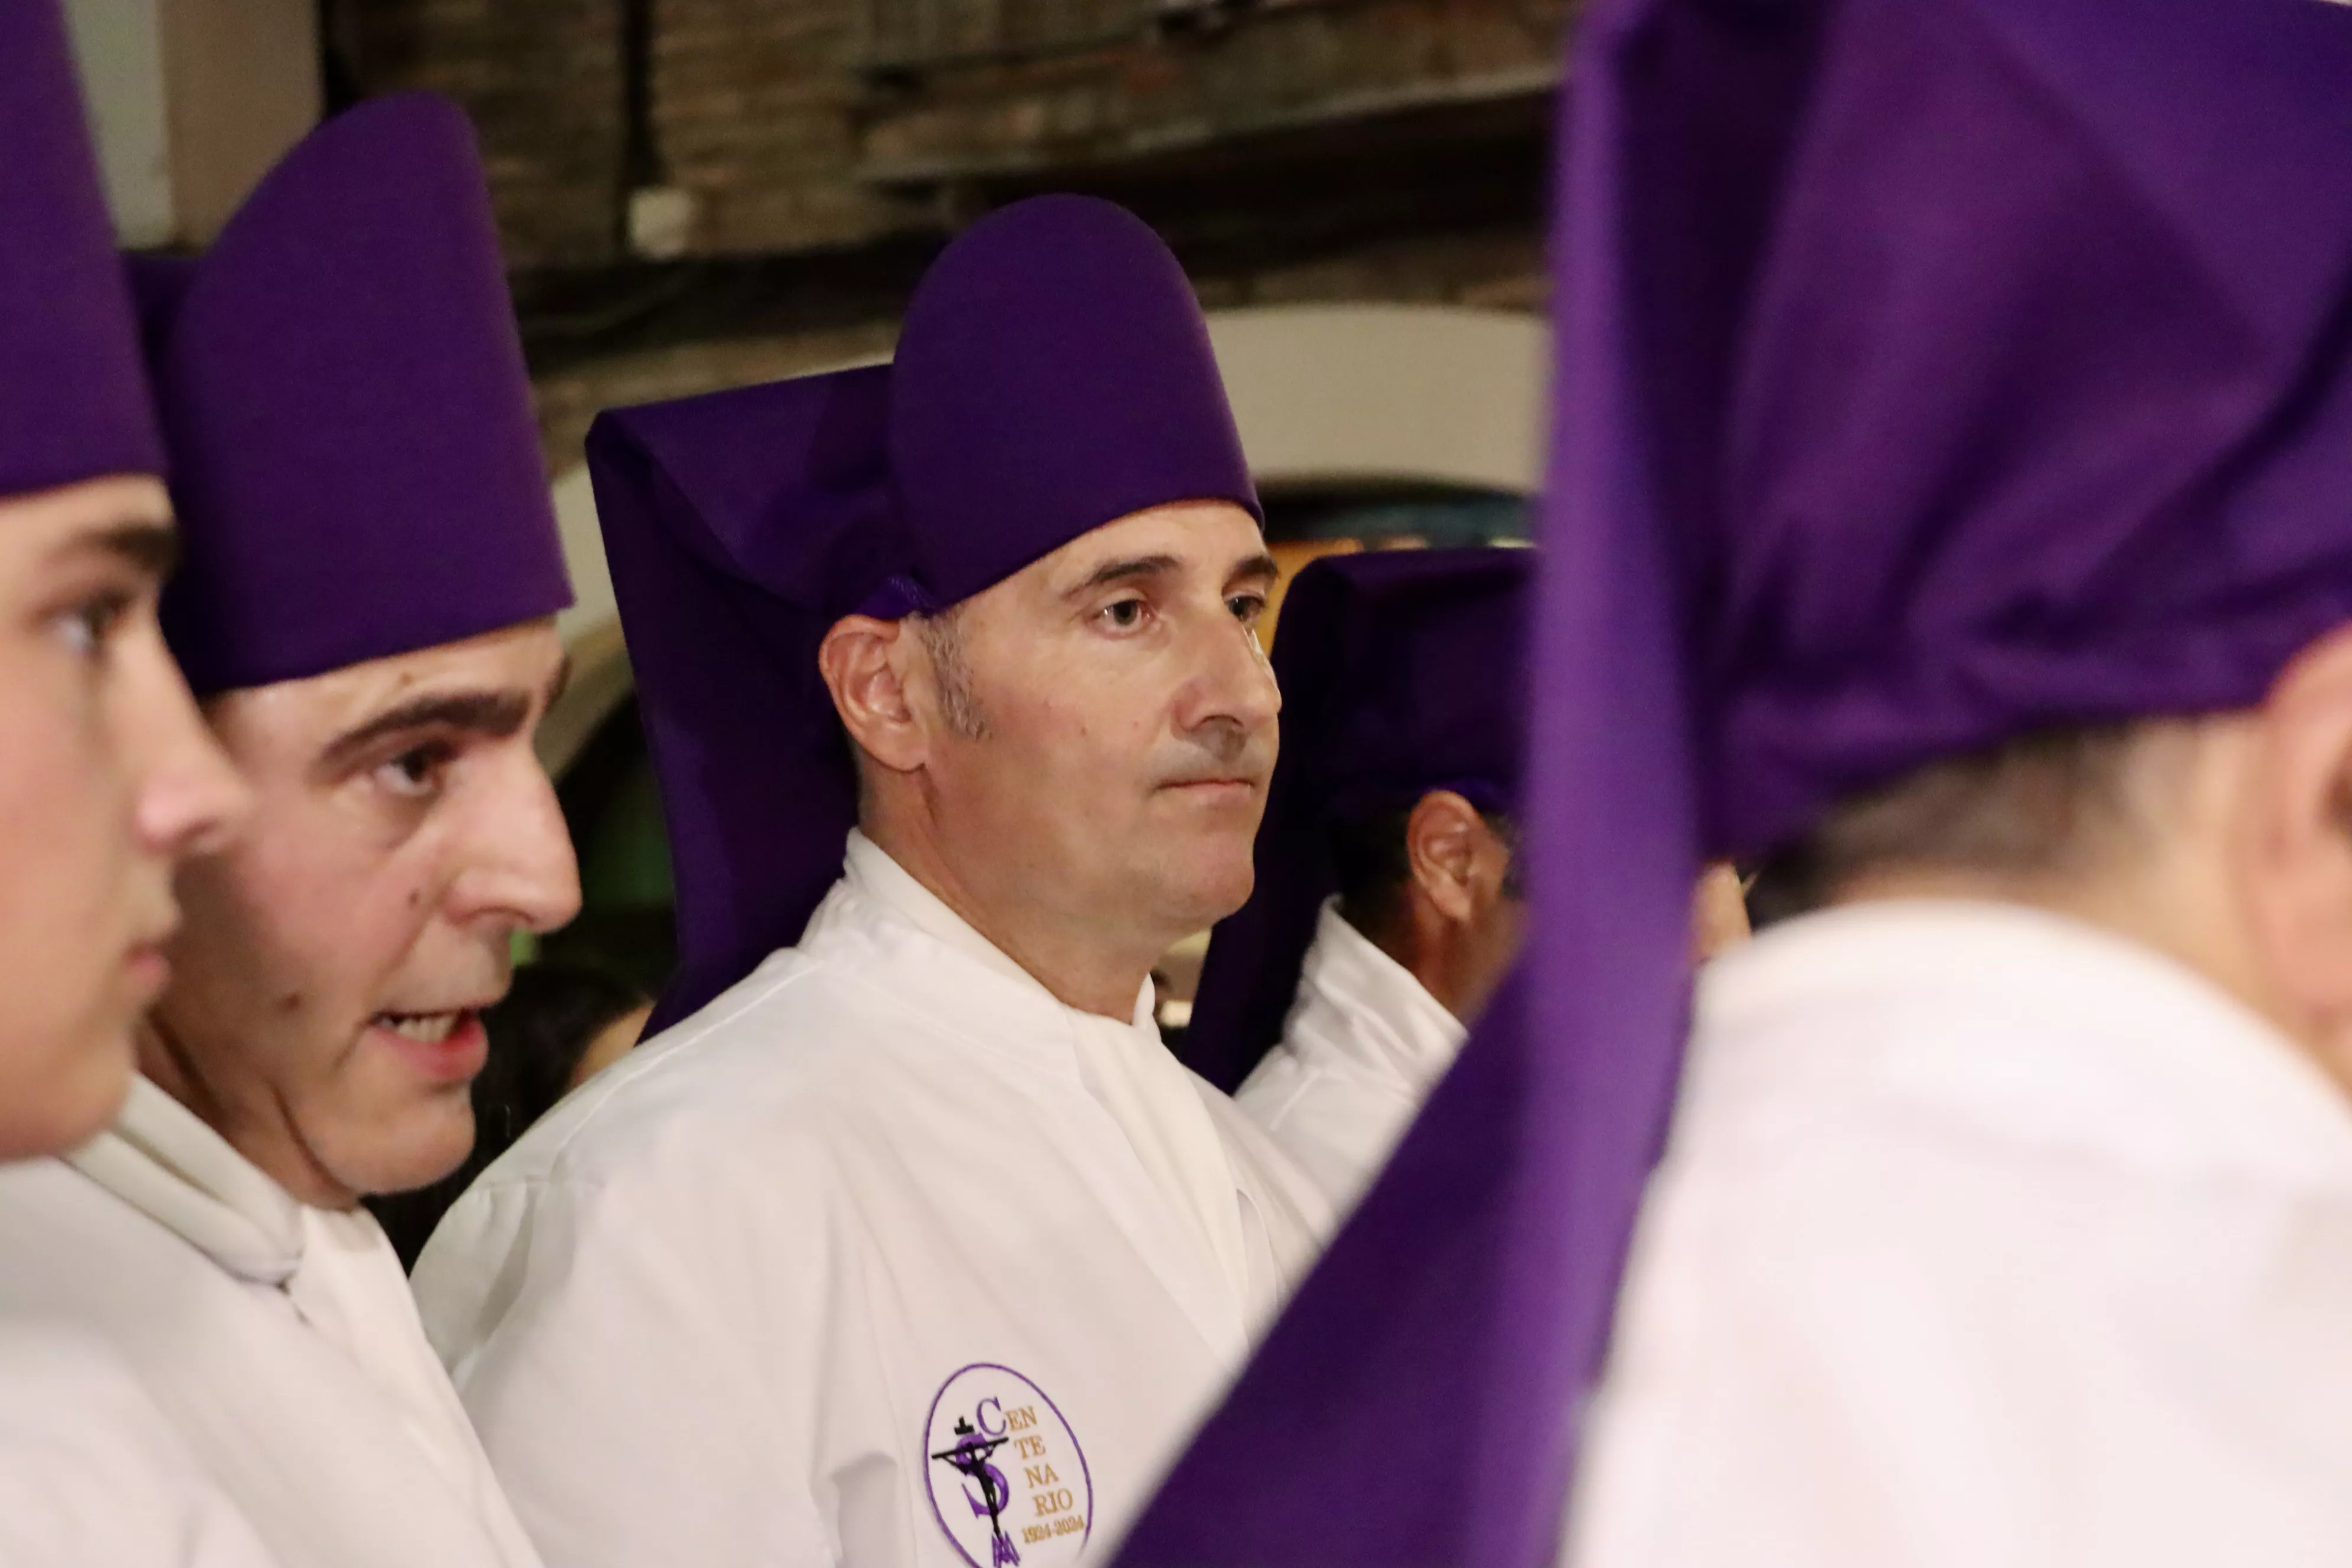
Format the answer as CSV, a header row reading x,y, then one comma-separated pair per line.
x,y
1443,838
863,663
1718,912
2297,845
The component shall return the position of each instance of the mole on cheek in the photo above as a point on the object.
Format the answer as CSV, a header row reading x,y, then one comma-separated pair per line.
x,y
416,897
291,1003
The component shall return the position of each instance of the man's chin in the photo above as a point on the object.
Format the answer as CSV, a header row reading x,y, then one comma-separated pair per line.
x,y
423,1153
68,1100
1203,900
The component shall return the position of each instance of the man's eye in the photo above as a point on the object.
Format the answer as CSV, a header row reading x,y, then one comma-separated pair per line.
x,y
86,627
1126,615
415,772
1246,607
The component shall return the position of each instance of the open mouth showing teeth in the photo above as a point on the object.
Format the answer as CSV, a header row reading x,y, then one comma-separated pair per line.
x,y
425,1028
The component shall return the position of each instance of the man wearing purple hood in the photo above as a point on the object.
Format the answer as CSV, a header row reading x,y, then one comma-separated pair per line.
x,y
911,1244
106,777
365,612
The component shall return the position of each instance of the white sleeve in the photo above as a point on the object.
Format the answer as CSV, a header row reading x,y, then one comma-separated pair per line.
x,y
650,1376
92,1476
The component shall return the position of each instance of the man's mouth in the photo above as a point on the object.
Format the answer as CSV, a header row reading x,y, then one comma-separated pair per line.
x,y
445,1047
149,968
424,1028
149,960
1214,786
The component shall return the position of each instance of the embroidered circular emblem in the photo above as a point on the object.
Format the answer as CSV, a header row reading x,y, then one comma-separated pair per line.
x,y
1008,1481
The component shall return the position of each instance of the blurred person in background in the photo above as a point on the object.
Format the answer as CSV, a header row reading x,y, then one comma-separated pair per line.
x,y
911,1243
1389,898
559,1025
365,610
2006,1212
1386,906
107,779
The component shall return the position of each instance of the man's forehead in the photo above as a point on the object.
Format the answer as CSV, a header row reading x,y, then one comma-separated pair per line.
x,y
1201,535
525,661
91,507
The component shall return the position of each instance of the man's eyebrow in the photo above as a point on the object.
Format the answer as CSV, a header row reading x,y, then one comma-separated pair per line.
x,y
150,547
493,714
1259,568
1123,570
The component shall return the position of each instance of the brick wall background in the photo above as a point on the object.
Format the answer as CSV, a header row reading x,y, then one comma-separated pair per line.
x,y
821,150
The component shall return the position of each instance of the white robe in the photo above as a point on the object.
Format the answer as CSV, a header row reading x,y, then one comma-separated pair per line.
x,y
726,1304
92,1476
1982,1238
1363,1044
279,1341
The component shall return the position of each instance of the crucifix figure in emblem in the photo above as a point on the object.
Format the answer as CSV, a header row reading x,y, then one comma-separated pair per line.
x,y
968,1459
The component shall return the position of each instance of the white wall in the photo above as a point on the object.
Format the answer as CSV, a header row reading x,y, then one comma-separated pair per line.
x,y
190,102
1387,392
119,46
583,553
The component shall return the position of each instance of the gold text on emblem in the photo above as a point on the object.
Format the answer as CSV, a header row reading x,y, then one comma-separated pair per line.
x,y
1055,1504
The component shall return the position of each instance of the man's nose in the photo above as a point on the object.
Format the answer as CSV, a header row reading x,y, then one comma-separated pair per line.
x,y
187,798
1234,684
523,870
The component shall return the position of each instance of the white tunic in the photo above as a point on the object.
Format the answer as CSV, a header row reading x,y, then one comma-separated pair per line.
x,y
1364,1043
279,1341
92,1476
1983,1237
885,1200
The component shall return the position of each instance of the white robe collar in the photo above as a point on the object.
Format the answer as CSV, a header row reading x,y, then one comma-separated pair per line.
x,y
868,869
1356,1004
2036,1027
1125,1067
337,1270
163,1160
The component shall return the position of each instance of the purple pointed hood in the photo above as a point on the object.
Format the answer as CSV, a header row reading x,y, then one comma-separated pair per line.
x,y
73,396
1402,671
354,460
1930,370
1052,375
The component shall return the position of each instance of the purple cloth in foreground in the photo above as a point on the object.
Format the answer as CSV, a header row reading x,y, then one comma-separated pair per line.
x,y
73,397
1402,671
1930,370
355,462
1052,375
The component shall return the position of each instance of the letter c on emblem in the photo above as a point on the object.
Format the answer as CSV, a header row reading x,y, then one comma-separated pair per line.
x,y
980,1412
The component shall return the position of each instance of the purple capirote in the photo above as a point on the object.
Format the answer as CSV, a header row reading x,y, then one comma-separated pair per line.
x,y
73,395
1052,375
1402,671
1928,372
354,460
